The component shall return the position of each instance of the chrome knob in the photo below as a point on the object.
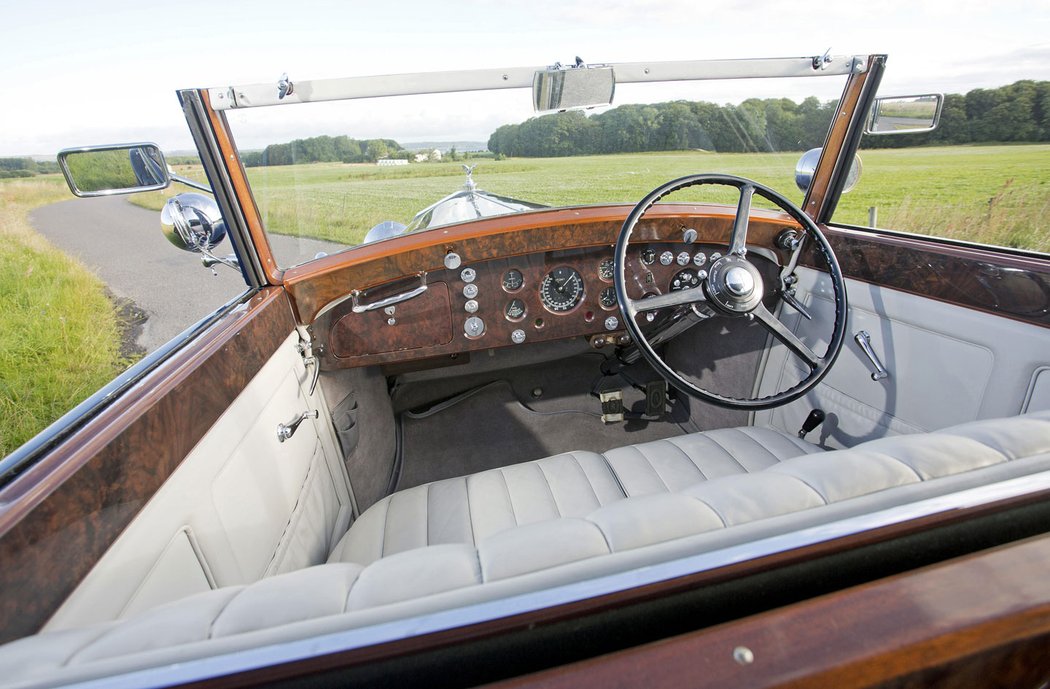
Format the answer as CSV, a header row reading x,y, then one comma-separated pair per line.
x,y
739,282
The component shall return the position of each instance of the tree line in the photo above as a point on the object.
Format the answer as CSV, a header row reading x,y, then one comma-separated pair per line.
x,y
325,149
1018,112
25,167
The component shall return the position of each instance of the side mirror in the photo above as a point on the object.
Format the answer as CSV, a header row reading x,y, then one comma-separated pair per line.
x,y
192,222
905,114
567,88
117,169
807,165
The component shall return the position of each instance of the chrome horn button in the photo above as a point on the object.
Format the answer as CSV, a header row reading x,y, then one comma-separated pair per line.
x,y
739,282
734,285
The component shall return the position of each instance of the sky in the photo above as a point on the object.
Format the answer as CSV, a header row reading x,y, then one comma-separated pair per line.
x,y
106,71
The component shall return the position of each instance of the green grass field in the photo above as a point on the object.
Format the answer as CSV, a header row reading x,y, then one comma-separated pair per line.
x,y
991,194
59,334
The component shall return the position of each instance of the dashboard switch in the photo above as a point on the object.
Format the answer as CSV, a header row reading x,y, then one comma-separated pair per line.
x,y
518,336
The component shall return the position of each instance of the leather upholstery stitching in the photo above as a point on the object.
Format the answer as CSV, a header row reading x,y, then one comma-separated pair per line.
x,y
550,489
758,443
510,498
689,459
731,456
586,478
616,477
639,450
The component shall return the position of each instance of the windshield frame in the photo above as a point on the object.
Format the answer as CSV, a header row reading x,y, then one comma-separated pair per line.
x,y
863,73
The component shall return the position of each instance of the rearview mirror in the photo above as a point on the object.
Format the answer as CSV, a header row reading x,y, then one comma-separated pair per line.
x,y
905,114
567,88
117,169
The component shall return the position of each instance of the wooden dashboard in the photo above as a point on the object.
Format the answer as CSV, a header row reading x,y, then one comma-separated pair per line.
x,y
521,279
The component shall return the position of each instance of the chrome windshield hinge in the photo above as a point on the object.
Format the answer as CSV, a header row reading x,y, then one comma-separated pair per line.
x,y
305,349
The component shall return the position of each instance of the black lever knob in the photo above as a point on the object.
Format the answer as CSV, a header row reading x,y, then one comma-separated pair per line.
x,y
815,418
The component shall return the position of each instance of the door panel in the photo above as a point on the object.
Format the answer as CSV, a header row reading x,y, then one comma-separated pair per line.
x,y
948,364
61,514
246,504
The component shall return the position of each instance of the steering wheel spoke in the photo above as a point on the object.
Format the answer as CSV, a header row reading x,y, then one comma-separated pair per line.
x,y
661,301
738,239
788,338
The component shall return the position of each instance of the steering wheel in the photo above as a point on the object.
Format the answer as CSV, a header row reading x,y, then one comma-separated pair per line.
x,y
732,288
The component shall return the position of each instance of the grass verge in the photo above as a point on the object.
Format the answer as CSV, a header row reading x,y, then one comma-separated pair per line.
x,y
60,336
988,194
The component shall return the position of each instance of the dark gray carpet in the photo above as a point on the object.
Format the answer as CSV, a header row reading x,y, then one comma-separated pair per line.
x,y
488,427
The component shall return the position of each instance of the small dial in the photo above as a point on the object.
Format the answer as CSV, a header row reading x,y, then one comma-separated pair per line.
x,y
513,280
561,290
468,275
518,336
608,298
471,306
685,279
470,290
666,258
700,259
612,323
605,270
648,256
684,258
515,310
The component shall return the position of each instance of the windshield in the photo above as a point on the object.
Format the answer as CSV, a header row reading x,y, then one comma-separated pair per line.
x,y
333,175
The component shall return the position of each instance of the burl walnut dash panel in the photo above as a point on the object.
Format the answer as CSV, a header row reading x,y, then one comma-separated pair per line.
x,y
318,283
424,321
62,514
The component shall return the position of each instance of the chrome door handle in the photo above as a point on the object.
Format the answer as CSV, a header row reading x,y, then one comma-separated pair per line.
x,y
287,430
863,339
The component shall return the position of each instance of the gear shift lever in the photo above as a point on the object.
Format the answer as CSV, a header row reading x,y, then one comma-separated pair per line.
x,y
815,418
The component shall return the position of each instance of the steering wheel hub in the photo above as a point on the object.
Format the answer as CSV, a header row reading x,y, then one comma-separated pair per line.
x,y
734,285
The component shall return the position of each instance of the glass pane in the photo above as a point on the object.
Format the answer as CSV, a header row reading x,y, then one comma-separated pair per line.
x,y
981,176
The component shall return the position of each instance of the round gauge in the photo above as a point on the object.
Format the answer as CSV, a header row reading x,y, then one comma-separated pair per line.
x,y
666,258
608,298
513,280
514,310
648,256
685,279
561,290
605,270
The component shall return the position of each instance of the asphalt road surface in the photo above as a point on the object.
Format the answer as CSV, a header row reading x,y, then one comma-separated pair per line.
x,y
124,246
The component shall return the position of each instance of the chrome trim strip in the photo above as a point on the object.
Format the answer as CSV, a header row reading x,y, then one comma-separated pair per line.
x,y
260,95
266,656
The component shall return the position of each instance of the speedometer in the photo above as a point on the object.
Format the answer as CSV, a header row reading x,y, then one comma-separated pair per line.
x,y
561,290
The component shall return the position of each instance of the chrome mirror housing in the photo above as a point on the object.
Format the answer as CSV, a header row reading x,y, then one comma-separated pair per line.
x,y
905,114
192,222
807,164
567,88
116,169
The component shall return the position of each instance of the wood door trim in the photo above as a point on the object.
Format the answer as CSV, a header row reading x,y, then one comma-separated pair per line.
x,y
62,513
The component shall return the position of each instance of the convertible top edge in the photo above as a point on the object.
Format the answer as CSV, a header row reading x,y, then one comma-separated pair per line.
x,y
349,88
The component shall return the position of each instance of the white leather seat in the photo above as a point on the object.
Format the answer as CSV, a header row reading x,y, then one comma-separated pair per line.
x,y
469,509
809,489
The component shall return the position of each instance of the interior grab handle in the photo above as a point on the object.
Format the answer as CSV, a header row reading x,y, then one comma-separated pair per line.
x,y
863,339
390,301
287,430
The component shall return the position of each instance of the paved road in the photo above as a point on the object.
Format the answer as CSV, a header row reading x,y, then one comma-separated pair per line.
x,y
123,244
